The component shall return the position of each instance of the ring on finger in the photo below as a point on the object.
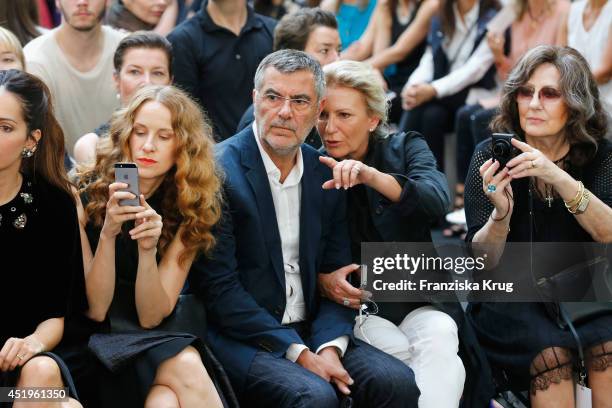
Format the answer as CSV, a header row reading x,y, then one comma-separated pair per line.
x,y
533,165
345,302
491,188
20,356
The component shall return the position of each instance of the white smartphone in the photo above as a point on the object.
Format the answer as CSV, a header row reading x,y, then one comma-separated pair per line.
x,y
128,173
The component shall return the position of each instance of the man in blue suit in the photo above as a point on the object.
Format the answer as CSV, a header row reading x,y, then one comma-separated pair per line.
x,y
280,342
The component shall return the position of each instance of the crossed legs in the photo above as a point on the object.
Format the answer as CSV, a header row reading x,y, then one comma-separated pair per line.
x,y
182,381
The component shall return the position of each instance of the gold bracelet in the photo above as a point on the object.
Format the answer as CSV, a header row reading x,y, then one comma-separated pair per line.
x,y
582,203
574,201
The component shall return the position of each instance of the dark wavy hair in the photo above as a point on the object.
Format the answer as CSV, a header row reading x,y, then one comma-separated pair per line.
x,y
587,122
37,111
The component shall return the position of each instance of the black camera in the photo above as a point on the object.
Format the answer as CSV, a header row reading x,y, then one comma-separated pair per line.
x,y
502,149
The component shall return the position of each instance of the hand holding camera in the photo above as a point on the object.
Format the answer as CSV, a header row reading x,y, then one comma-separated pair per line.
x,y
533,163
495,177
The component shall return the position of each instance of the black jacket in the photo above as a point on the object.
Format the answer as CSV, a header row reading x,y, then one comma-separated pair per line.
x,y
425,197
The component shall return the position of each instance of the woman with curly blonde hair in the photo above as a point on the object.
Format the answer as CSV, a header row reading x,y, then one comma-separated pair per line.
x,y
135,263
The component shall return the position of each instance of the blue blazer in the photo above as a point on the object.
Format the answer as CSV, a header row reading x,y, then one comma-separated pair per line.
x,y
243,280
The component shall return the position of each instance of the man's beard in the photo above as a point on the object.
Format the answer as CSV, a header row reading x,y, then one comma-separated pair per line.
x,y
284,150
97,21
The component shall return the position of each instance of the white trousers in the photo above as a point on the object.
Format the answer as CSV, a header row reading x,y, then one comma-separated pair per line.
x,y
426,341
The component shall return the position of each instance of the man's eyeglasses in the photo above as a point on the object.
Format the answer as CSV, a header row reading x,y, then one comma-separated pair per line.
x,y
546,95
276,101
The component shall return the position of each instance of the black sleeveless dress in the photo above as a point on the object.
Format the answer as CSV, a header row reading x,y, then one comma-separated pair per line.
x,y
401,71
131,357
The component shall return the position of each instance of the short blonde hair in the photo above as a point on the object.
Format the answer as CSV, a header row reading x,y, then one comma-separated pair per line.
x,y
12,44
361,77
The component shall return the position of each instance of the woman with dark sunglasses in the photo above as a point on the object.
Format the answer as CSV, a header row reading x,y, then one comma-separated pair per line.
x,y
557,189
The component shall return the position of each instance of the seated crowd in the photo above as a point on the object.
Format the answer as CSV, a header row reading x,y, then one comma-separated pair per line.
x,y
185,186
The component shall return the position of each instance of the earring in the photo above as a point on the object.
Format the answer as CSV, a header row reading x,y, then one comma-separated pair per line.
x,y
371,130
26,153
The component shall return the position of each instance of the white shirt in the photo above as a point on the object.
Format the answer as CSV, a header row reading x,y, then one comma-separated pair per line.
x,y
82,100
591,43
287,198
466,68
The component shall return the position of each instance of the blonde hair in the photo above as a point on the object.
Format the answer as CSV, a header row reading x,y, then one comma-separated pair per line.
x,y
13,45
360,76
191,188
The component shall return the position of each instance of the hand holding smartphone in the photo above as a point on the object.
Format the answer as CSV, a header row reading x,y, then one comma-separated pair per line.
x,y
127,173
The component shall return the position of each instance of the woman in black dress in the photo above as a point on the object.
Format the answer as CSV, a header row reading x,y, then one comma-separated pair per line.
x,y
135,263
563,176
42,269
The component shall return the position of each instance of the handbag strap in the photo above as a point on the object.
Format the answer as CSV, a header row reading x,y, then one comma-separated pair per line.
x,y
570,325
562,311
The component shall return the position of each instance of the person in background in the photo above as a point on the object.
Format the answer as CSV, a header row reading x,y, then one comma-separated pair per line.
x,y
142,58
149,15
313,31
36,202
75,61
11,53
394,42
21,18
137,257
557,189
216,54
589,30
353,17
456,61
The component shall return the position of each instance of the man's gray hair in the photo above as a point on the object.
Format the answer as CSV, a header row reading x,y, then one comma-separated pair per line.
x,y
288,61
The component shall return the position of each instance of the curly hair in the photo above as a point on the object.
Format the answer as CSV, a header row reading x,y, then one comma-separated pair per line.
x,y
191,188
587,121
